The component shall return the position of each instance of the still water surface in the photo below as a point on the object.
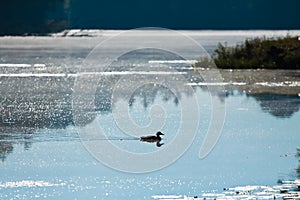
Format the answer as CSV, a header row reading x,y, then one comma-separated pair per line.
x,y
43,156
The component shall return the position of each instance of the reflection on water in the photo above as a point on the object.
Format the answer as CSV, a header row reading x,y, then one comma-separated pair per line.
x,y
280,105
8,140
48,105
41,108
5,148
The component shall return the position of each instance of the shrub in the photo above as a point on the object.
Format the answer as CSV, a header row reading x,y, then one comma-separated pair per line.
x,y
280,53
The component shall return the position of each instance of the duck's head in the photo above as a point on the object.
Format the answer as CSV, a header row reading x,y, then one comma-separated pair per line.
x,y
159,133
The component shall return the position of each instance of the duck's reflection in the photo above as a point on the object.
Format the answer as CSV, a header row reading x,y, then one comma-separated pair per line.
x,y
153,139
159,144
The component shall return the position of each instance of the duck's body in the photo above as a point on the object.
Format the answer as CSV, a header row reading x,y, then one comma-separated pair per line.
x,y
152,138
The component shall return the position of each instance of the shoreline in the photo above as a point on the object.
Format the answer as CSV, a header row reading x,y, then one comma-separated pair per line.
x,y
204,32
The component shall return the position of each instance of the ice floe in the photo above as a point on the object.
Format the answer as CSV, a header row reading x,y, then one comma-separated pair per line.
x,y
216,83
286,190
280,84
172,61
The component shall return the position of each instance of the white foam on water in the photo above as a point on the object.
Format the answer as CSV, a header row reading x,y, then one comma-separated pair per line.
x,y
28,183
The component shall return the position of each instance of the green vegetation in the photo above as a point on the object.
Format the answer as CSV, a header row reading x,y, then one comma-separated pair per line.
x,y
279,53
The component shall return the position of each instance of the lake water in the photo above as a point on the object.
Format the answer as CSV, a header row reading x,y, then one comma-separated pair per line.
x,y
70,130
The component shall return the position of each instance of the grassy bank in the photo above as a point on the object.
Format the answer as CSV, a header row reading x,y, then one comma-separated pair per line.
x,y
279,53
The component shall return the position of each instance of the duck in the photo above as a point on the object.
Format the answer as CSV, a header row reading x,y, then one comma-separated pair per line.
x,y
152,138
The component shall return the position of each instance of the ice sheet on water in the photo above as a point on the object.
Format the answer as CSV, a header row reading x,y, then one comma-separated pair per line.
x,y
280,84
34,75
287,190
14,65
169,197
216,83
172,61
107,33
90,73
21,65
